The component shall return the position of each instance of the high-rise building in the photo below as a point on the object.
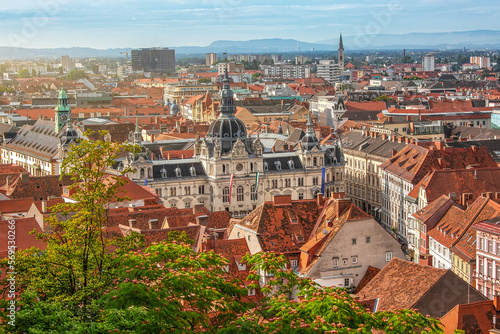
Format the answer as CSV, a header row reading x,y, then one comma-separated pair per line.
x,y
66,63
428,62
328,70
482,62
158,60
211,58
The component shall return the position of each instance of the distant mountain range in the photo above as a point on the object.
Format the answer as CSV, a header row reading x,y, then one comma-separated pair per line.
x,y
478,39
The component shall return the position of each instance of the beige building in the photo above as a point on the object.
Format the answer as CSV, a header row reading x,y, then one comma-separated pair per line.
x,y
180,92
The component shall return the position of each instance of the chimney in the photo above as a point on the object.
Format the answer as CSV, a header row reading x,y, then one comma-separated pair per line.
x,y
408,118
400,140
25,177
131,208
474,149
198,208
384,136
152,138
439,144
407,140
393,138
44,206
132,223
154,224
168,156
7,180
394,152
202,220
470,137
342,205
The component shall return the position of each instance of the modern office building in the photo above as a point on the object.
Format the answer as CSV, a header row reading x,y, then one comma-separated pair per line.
x,y
157,60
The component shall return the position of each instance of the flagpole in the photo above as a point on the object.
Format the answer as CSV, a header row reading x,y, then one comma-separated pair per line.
x,y
230,188
256,186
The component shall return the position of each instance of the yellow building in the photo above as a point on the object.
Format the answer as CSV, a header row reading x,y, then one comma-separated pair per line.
x,y
180,92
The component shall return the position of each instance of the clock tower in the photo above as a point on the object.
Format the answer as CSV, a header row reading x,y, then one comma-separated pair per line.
x,y
62,111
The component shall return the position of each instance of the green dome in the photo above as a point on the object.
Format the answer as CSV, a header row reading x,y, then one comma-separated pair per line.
x,y
62,94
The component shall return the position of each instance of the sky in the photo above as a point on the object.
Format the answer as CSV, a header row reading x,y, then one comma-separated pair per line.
x,y
125,23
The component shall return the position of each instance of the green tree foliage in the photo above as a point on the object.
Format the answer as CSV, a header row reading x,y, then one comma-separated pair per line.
x,y
24,73
61,71
4,89
75,74
204,80
382,98
257,75
406,60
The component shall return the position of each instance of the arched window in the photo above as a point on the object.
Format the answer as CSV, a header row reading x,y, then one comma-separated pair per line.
x,y
266,166
173,191
192,171
142,173
240,196
149,172
277,163
315,161
225,195
178,172
251,166
253,195
187,190
291,164
223,169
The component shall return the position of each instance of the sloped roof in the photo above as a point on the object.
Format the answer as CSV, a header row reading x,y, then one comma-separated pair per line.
x,y
472,318
401,284
24,239
370,273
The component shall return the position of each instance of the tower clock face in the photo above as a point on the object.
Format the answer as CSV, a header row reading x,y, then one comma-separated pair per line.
x,y
64,117
239,167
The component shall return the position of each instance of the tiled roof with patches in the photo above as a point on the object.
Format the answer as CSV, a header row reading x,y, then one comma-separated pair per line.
x,y
233,250
36,187
365,106
449,228
413,162
281,223
219,219
474,318
24,239
482,209
370,273
15,205
460,181
401,284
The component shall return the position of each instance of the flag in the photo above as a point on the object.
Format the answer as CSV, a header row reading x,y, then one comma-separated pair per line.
x,y
323,171
146,182
230,187
256,186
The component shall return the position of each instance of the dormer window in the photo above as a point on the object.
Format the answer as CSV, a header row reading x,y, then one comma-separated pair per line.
x,y
291,164
277,163
178,172
266,166
163,173
192,171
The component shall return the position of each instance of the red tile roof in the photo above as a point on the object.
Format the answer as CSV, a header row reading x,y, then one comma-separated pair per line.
x,y
401,284
370,273
413,162
36,187
474,318
367,106
24,239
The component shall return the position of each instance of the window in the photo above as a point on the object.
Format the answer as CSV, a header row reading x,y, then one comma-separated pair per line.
x,y
354,259
238,234
192,171
345,261
173,191
251,292
187,190
490,269
201,189
187,205
225,195
178,172
490,246
480,266
347,282
498,272
249,238
315,161
315,181
294,263
275,183
301,195
277,164
353,241
300,181
266,166
240,196
142,173
388,256
291,164
287,183
253,195
367,240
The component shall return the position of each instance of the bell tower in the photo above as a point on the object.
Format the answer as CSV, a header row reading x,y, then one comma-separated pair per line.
x,y
62,111
341,53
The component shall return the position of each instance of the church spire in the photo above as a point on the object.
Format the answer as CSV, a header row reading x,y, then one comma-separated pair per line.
x,y
227,96
341,44
309,124
62,110
341,53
